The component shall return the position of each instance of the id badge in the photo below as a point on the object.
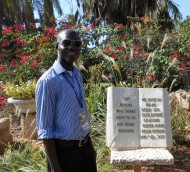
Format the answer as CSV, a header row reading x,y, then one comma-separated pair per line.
x,y
84,121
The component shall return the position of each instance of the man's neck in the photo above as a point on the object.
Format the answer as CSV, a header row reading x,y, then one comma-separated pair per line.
x,y
68,66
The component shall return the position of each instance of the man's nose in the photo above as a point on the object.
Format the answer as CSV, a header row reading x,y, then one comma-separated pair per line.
x,y
72,45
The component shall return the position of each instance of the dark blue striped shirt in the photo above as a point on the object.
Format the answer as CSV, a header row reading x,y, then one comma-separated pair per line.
x,y
57,107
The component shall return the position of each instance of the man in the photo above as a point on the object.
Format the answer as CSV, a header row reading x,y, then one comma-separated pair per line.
x,y
62,119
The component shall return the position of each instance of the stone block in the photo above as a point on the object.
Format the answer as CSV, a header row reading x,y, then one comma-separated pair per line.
x,y
5,136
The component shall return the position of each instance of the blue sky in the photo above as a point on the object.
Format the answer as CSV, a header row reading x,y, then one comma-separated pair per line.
x,y
184,7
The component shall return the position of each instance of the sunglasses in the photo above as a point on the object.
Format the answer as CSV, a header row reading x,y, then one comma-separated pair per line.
x,y
67,42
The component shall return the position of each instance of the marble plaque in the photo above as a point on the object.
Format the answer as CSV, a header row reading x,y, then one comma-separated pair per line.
x,y
154,116
122,123
138,118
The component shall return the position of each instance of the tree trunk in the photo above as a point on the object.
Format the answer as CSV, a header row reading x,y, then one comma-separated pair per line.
x,y
48,12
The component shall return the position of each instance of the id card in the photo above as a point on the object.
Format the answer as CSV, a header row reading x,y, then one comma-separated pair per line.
x,y
84,121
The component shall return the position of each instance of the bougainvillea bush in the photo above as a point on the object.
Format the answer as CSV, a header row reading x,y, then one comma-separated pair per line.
x,y
25,55
142,55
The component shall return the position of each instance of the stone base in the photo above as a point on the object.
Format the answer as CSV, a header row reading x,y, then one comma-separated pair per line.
x,y
144,157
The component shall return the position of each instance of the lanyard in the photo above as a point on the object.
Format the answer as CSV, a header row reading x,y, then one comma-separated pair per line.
x,y
79,97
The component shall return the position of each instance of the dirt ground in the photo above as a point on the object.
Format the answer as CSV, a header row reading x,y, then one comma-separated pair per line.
x,y
180,152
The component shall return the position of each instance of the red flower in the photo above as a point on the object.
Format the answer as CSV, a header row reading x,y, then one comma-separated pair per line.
x,y
33,63
119,26
52,30
151,77
19,27
91,26
38,40
128,72
121,48
176,54
12,64
5,43
123,37
24,58
183,66
136,55
107,50
114,55
138,47
19,42
142,18
53,21
2,67
7,30
33,25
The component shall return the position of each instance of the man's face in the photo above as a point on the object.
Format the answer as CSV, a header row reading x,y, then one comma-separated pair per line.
x,y
69,46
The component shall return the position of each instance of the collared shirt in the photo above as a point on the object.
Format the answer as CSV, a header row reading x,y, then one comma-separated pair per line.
x,y
57,107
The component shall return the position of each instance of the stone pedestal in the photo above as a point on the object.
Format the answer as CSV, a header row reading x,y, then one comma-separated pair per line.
x,y
28,124
5,136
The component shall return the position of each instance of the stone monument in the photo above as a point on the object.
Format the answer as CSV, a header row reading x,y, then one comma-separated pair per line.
x,y
138,126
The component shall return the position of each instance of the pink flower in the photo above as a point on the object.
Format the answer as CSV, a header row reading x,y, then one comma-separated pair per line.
x,y
107,50
2,67
121,48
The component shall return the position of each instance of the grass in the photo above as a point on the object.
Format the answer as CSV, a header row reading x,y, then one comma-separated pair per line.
x,y
23,157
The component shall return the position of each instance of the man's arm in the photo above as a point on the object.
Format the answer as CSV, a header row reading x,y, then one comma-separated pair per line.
x,y
45,112
51,154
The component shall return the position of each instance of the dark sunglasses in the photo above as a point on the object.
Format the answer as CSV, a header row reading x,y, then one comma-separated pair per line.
x,y
67,42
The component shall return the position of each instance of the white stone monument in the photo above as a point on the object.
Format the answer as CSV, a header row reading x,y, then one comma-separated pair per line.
x,y
138,119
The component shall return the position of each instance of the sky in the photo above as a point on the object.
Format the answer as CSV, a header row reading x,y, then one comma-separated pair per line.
x,y
184,7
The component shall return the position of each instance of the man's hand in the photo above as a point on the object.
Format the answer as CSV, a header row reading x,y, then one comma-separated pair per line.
x,y
50,150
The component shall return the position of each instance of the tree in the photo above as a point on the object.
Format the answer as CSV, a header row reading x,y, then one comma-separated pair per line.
x,y
116,11
48,12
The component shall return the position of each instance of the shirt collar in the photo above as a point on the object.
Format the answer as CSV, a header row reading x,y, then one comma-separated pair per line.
x,y
60,69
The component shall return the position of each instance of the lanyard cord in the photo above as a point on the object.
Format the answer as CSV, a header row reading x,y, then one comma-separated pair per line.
x,y
72,86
